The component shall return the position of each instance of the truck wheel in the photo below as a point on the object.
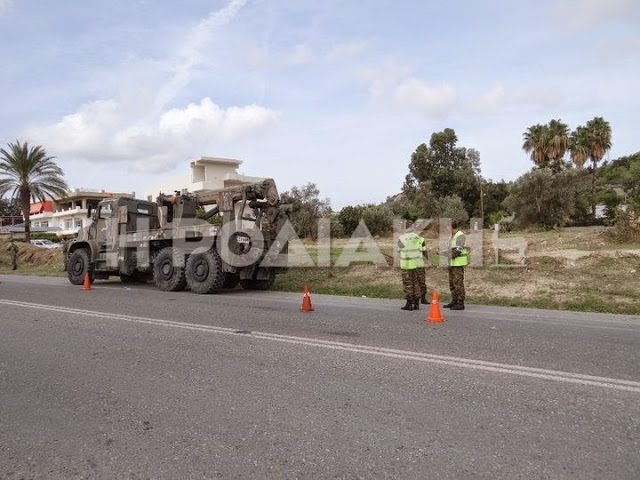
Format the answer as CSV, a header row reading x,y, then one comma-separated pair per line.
x,y
166,274
204,272
78,266
231,280
266,284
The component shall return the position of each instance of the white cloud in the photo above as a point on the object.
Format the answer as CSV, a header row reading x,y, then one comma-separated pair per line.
x,y
584,14
381,79
81,133
301,54
610,49
392,86
140,130
499,97
414,94
99,131
190,53
343,51
5,6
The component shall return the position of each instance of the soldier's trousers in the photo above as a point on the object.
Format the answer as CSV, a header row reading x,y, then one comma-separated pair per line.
x,y
422,280
410,284
456,284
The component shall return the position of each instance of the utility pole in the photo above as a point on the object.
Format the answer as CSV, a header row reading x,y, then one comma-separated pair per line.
x,y
481,204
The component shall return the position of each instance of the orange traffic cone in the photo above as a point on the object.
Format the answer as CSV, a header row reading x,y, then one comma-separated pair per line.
x,y
435,315
306,301
87,282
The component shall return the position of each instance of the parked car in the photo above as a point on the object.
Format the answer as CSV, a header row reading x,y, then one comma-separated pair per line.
x,y
44,243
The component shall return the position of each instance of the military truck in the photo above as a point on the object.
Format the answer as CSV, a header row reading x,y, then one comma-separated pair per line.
x,y
171,242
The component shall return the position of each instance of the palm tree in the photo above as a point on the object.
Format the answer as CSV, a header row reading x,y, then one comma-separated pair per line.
x,y
29,174
579,146
557,141
536,143
599,142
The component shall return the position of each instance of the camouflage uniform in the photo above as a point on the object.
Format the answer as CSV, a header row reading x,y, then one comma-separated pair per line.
x,y
456,284
411,283
13,250
411,246
458,259
422,278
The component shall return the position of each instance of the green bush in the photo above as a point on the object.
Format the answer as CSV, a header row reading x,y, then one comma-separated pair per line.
x,y
46,236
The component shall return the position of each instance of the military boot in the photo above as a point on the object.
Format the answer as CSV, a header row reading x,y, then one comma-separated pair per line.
x,y
457,306
423,300
408,306
416,303
450,304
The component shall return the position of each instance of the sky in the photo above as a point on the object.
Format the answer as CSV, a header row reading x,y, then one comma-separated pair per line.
x,y
124,94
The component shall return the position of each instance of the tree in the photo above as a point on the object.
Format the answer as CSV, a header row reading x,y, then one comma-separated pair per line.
x,y
378,219
307,208
443,169
547,144
9,208
349,218
535,144
558,141
623,174
579,146
401,206
494,195
28,173
542,197
452,207
599,142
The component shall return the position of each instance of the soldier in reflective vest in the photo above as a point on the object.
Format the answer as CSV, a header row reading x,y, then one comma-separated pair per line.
x,y
458,259
411,246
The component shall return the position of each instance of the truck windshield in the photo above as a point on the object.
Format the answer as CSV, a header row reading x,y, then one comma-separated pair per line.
x,y
106,210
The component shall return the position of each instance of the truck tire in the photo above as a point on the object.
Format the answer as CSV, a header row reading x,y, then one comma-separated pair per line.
x,y
166,275
204,272
78,266
251,284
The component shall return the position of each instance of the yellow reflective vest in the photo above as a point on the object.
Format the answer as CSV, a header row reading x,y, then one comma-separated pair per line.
x,y
411,246
463,259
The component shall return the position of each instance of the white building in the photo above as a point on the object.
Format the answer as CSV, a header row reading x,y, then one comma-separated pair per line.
x,y
207,173
65,216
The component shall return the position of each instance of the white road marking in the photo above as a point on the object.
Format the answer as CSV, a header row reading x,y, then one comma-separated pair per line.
x,y
567,377
604,321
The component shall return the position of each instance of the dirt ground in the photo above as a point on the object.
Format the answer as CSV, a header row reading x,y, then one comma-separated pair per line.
x,y
572,268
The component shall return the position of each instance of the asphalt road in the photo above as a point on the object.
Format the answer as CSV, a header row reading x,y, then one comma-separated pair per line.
x,y
137,383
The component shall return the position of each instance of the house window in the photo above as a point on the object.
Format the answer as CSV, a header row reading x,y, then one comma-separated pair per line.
x,y
78,223
44,224
68,224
